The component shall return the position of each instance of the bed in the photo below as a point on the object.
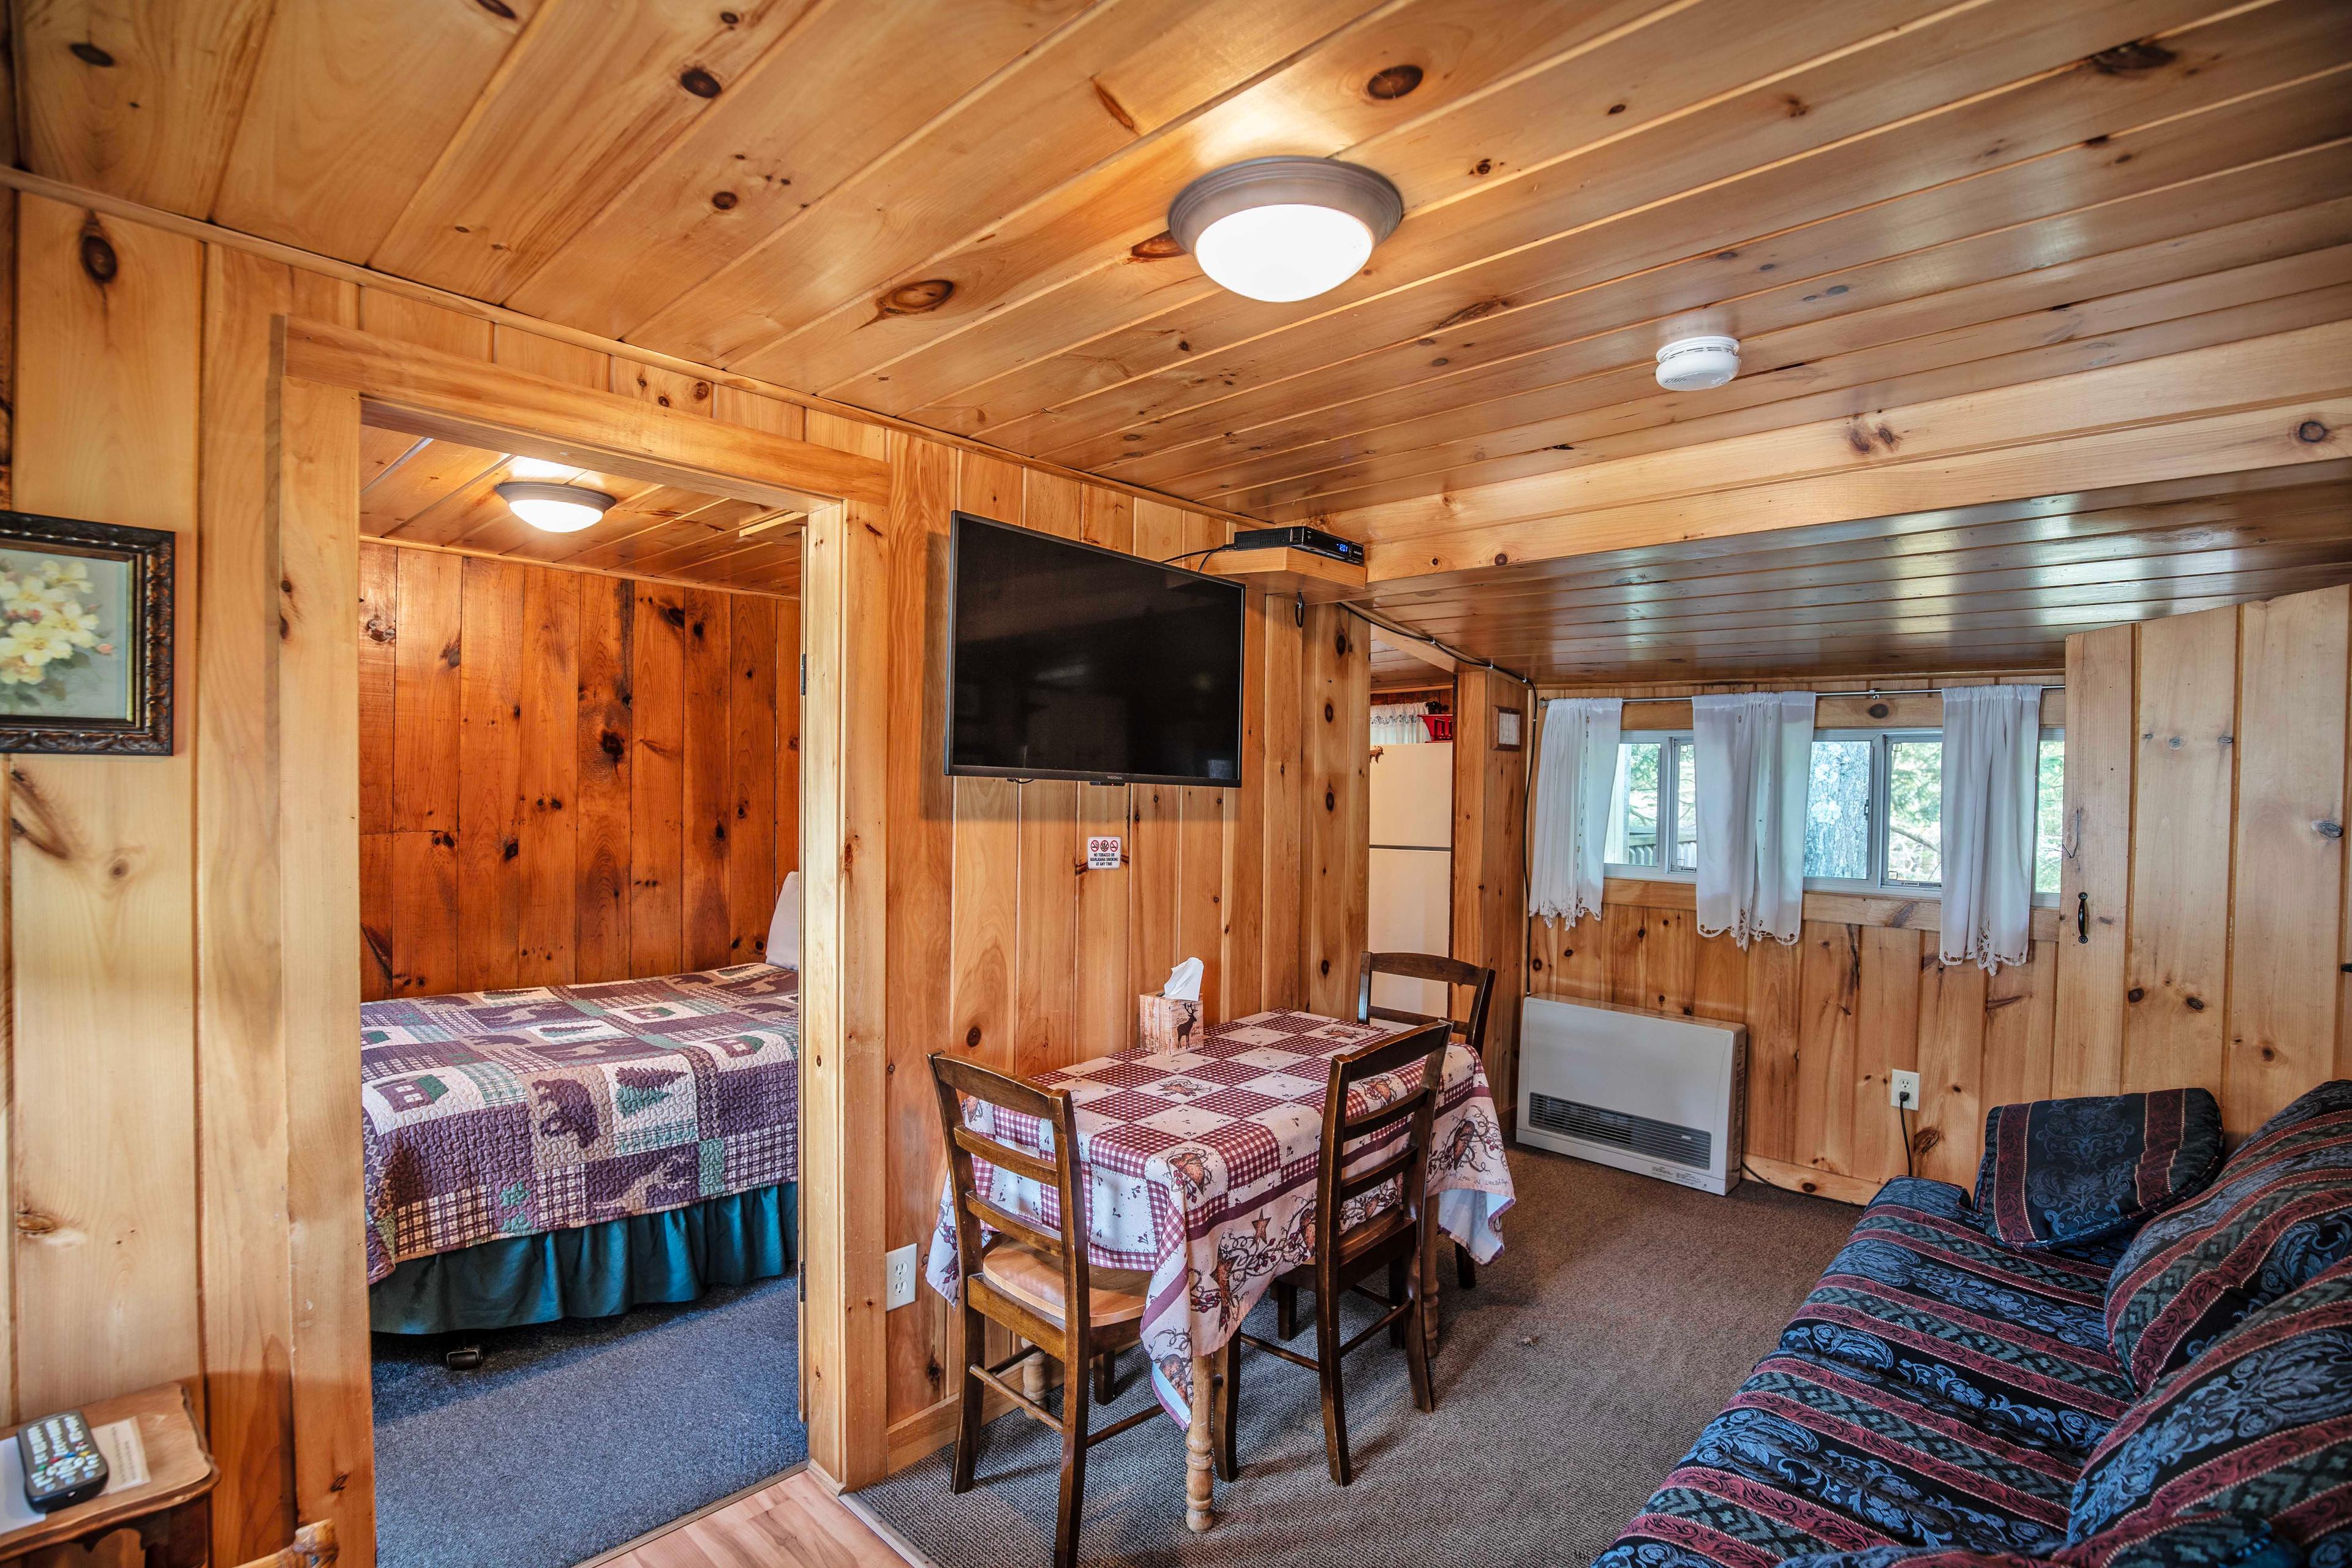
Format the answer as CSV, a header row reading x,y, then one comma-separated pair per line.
x,y
575,1150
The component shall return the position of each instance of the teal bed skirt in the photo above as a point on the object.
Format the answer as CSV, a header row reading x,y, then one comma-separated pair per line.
x,y
596,1271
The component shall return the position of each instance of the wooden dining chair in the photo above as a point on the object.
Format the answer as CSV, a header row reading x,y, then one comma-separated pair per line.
x,y
1389,1242
1471,1030
1033,1282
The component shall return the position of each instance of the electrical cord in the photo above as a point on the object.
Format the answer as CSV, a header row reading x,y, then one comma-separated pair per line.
x,y
1450,651
1903,1119
1202,554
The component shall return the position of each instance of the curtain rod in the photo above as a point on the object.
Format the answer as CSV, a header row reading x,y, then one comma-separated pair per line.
x,y
1873,692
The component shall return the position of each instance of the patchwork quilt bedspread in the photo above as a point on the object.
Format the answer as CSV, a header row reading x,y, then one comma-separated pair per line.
x,y
504,1113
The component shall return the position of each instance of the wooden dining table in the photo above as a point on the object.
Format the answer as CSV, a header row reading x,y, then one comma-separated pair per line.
x,y
1199,1167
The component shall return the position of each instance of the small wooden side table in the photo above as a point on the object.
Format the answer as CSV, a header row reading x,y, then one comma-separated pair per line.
x,y
171,1510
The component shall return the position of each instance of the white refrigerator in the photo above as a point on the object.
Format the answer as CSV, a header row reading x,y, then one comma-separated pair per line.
x,y
1412,866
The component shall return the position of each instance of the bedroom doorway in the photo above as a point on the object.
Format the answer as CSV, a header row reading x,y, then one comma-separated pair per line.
x,y
579,794
577,769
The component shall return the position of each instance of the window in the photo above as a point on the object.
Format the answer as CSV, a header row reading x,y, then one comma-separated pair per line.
x,y
1653,806
1874,810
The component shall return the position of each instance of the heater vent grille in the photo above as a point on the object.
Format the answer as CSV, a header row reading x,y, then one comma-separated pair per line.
x,y
1691,1147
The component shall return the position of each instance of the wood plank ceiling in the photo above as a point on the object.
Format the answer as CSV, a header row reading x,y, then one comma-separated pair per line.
x,y
1995,586
952,210
443,494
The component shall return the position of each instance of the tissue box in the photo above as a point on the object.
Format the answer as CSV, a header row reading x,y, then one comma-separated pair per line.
x,y
1166,1023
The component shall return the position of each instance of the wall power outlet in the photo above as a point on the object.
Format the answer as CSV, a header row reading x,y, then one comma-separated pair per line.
x,y
898,1276
1902,1089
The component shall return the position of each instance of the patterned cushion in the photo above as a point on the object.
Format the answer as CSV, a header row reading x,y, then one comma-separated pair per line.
x,y
2011,1343
1905,1407
2198,1540
2278,1213
2259,1424
2062,1171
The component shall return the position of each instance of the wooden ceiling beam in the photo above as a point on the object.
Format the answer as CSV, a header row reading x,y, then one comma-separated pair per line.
x,y
416,390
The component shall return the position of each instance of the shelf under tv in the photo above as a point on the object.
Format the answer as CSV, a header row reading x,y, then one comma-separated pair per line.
x,y
1322,579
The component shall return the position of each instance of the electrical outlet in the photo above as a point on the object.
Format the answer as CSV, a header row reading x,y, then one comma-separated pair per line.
x,y
899,1274
1902,1089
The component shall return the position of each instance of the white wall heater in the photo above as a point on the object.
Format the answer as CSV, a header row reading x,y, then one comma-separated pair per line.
x,y
1648,1092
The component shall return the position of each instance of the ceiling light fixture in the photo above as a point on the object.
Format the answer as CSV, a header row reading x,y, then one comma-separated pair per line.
x,y
1280,229
555,509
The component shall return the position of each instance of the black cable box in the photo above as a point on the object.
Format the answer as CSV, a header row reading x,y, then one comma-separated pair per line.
x,y
1313,539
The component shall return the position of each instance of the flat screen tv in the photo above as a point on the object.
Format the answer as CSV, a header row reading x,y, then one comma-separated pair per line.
x,y
1066,661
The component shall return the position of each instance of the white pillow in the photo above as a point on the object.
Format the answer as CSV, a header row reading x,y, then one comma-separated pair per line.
x,y
784,929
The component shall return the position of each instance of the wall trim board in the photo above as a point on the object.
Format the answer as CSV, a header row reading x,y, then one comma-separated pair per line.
x,y
1811,1182
615,572
1840,909
354,275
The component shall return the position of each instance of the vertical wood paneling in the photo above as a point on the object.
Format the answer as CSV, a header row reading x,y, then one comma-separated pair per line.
x,y
102,875
1775,1060
535,888
921,894
490,776
788,737
658,783
2095,872
1338,808
2289,883
379,682
1947,1132
1051,855
752,879
1107,987
2178,946
1886,1036
710,749
316,496
1286,776
242,1110
427,658
1828,987
603,739
547,781
986,938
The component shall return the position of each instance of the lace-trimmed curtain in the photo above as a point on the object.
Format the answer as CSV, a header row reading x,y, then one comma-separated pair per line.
x,y
1993,754
1575,772
1755,754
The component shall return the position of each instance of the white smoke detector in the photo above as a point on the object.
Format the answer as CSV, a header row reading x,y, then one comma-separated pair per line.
x,y
1694,364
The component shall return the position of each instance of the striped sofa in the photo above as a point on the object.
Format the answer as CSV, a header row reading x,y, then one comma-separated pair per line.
x,y
2175,1393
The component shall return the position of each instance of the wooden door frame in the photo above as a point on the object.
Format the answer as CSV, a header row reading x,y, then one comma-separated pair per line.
x,y
324,382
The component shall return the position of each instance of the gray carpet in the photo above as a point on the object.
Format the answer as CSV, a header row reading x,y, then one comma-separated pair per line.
x,y
577,1436
1621,1316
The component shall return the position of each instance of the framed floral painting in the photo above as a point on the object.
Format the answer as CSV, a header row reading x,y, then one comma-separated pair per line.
x,y
85,636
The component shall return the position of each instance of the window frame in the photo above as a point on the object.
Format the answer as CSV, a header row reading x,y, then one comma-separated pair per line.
x,y
1881,798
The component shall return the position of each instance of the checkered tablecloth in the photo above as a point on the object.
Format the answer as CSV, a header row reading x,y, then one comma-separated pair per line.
x,y
1199,1166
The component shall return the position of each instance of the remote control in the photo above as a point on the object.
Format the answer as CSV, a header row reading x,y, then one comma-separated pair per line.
x,y
62,1462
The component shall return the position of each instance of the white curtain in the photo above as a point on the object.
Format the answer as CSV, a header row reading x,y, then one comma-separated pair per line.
x,y
1401,724
1755,759
1992,747
1574,773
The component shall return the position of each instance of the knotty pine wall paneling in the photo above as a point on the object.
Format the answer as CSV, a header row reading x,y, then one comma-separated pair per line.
x,y
142,894
2205,847
613,792
1003,945
1489,838
1858,996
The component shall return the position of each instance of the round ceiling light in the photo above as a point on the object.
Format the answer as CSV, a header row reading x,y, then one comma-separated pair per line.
x,y
1699,364
1279,229
554,509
